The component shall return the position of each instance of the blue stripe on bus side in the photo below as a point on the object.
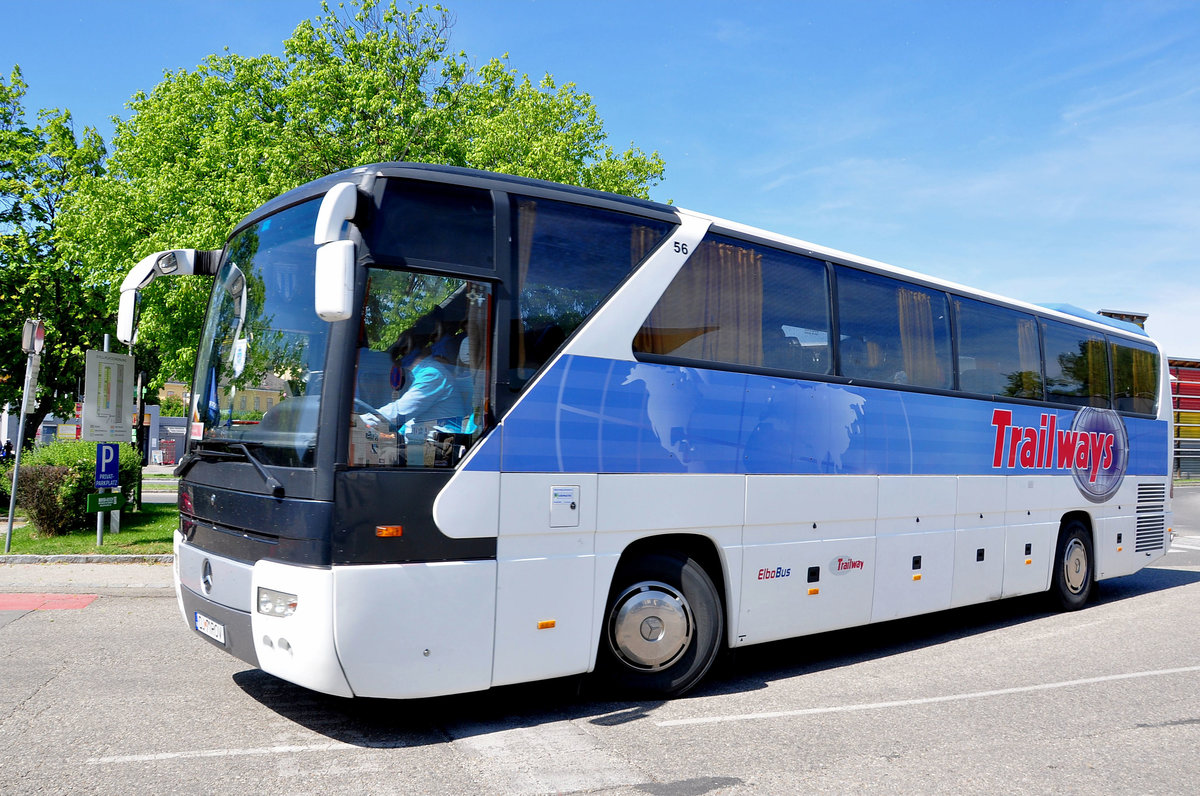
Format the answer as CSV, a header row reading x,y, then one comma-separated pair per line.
x,y
604,416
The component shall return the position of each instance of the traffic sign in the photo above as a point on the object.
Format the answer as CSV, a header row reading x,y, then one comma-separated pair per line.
x,y
108,501
33,336
33,366
108,461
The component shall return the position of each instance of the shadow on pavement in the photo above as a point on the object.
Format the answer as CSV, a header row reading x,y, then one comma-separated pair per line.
x,y
375,723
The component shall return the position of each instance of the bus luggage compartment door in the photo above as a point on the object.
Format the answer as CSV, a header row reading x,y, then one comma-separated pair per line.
x,y
416,630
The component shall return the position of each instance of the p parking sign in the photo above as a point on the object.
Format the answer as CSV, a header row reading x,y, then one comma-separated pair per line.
x,y
108,461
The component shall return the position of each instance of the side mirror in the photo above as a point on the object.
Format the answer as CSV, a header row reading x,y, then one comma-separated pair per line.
x,y
127,316
172,262
334,299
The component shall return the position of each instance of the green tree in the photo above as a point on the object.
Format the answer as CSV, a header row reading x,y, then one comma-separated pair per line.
x,y
376,83
39,165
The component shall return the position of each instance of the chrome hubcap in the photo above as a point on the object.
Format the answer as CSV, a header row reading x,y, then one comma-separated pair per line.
x,y
650,626
1075,566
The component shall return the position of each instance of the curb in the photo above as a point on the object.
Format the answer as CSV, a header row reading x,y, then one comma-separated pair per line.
x,y
88,559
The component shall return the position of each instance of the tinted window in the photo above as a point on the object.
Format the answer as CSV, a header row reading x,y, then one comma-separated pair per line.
x,y
261,339
1135,378
893,331
1076,365
430,221
421,381
742,304
998,350
568,259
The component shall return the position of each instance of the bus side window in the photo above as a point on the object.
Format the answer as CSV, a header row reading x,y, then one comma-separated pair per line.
x,y
997,350
1076,365
568,258
740,303
1135,377
904,331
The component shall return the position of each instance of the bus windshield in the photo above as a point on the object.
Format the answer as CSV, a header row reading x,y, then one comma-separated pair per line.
x,y
262,349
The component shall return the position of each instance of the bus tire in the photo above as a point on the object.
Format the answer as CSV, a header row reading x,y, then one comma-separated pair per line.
x,y
663,627
1073,563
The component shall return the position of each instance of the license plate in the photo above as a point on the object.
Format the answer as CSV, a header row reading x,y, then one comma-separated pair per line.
x,y
212,629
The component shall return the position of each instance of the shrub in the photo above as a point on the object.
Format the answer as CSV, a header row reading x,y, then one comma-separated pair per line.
x,y
40,493
56,479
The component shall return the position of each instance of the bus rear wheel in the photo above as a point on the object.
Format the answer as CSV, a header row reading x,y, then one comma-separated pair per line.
x,y
663,626
1072,584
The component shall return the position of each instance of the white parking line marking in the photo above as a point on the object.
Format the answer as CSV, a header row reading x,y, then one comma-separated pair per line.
x,y
926,700
265,750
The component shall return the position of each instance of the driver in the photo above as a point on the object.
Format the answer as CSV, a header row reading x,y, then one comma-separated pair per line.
x,y
431,396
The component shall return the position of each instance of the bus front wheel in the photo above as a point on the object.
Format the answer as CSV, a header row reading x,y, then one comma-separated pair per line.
x,y
1072,585
663,626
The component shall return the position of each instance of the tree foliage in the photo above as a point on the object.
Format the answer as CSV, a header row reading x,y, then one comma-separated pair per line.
x,y
40,163
372,84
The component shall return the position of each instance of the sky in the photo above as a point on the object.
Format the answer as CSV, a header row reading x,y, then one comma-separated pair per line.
x,y
1048,151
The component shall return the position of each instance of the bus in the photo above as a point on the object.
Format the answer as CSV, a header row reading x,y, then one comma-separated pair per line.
x,y
452,430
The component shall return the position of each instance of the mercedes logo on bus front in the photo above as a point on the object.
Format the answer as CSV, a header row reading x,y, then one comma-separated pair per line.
x,y
206,577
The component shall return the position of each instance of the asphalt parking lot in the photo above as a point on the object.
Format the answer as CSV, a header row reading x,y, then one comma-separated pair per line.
x,y
117,695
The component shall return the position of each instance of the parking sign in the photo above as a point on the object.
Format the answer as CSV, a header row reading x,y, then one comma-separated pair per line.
x,y
107,465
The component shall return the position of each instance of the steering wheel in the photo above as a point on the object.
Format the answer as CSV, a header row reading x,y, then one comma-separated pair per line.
x,y
368,409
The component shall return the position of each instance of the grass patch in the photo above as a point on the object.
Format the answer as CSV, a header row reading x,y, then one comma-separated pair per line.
x,y
146,532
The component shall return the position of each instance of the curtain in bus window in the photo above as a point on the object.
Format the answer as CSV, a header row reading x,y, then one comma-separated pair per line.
x,y
1135,379
642,240
1145,381
1028,382
475,353
526,220
712,310
916,338
1098,384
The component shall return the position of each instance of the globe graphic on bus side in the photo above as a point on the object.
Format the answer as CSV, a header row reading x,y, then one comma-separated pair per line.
x,y
1103,422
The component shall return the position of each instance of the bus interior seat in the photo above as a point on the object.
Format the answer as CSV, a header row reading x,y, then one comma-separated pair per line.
x,y
778,349
854,358
373,377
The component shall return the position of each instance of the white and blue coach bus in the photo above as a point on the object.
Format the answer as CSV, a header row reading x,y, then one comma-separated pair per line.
x,y
453,430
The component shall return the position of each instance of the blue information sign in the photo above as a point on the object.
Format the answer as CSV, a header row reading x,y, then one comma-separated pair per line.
x,y
107,462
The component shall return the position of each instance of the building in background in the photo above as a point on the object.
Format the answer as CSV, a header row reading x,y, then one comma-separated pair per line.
x,y
1185,399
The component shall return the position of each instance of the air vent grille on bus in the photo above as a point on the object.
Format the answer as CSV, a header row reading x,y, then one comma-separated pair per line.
x,y
1151,517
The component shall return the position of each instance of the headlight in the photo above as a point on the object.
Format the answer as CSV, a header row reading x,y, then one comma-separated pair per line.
x,y
276,603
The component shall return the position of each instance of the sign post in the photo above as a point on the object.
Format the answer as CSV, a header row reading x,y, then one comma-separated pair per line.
x,y
33,338
107,407
108,462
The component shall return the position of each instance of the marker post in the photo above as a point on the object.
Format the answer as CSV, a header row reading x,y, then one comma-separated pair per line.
x,y
33,338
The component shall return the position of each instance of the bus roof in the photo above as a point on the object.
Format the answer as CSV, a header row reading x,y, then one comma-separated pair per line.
x,y
493,180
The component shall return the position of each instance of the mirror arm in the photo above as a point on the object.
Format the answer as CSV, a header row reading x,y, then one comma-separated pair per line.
x,y
172,262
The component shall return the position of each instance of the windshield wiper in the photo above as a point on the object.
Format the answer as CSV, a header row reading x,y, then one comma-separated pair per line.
x,y
196,454
272,482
